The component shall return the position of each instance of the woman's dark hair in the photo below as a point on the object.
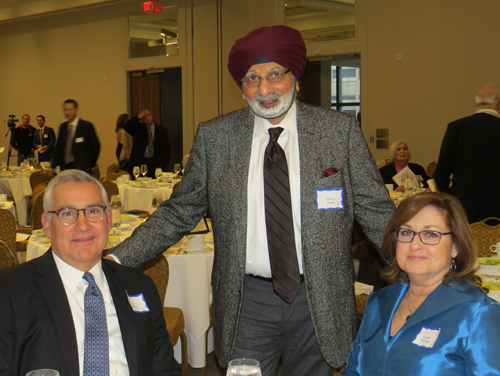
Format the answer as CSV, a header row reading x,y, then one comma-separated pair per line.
x,y
455,218
122,119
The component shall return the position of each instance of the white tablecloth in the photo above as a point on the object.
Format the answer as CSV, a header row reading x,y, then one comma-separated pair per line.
x,y
135,198
189,288
20,190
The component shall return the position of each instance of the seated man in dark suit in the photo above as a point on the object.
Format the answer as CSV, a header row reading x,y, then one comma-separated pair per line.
x,y
71,311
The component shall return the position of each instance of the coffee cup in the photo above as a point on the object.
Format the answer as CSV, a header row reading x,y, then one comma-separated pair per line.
x,y
195,242
495,248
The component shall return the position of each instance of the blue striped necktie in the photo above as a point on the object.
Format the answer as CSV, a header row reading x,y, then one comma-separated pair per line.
x,y
96,351
279,221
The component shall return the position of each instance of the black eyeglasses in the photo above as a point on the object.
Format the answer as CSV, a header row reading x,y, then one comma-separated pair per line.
x,y
428,237
273,78
68,216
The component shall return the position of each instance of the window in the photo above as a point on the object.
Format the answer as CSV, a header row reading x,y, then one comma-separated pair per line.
x,y
346,88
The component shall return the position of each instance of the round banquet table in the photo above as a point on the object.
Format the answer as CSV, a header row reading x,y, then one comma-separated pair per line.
x,y
140,197
19,188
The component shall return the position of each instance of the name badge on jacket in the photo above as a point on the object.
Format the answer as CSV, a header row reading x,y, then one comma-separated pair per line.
x,y
45,136
138,303
78,140
329,199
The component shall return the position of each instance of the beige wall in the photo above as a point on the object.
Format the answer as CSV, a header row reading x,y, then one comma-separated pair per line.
x,y
448,51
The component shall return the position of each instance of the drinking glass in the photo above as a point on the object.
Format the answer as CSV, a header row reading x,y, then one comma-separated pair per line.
x,y
3,166
408,186
136,172
43,372
243,366
116,212
23,166
157,200
144,170
419,181
158,173
177,168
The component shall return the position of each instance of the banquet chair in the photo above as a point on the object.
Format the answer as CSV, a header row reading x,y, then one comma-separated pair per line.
x,y
36,191
7,257
204,369
112,168
96,172
486,235
430,169
110,187
37,211
38,177
158,271
116,174
8,229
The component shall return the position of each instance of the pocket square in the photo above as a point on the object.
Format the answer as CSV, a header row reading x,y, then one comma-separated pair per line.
x,y
330,171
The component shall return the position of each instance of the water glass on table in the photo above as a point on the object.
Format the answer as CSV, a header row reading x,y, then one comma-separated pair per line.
x,y
116,212
158,173
157,200
243,366
136,172
144,170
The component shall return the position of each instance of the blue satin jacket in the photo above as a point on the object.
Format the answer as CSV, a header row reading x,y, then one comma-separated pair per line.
x,y
464,322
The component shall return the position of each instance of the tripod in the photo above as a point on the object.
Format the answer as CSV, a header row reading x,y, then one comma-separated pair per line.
x,y
12,140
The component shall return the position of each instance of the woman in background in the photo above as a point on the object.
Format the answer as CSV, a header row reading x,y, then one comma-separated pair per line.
x,y
124,142
401,155
435,319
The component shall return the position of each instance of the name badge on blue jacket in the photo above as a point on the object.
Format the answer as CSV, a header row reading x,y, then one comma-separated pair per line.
x,y
427,337
329,199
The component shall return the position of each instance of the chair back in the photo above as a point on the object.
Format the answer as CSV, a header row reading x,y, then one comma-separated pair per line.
x,y
486,235
431,168
116,174
7,257
38,177
112,168
36,191
157,270
96,172
8,228
37,211
110,187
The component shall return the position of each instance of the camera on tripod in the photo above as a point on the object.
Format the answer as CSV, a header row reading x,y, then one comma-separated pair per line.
x,y
11,123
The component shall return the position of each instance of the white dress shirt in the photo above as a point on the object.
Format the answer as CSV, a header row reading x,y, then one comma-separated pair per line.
x,y
257,250
75,287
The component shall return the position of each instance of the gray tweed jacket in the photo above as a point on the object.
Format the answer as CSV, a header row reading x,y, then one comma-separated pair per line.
x,y
216,180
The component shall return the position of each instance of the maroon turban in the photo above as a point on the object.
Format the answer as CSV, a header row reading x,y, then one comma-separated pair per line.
x,y
280,44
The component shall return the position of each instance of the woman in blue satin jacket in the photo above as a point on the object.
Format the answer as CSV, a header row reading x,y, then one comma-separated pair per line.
x,y
435,319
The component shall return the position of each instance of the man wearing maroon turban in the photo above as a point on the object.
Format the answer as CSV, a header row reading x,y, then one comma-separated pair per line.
x,y
283,182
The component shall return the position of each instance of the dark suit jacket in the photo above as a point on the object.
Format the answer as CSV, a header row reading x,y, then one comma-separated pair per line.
x,y
140,133
48,139
470,152
37,330
389,171
216,178
86,146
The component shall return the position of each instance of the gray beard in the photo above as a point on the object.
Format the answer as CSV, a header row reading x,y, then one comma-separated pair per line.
x,y
278,110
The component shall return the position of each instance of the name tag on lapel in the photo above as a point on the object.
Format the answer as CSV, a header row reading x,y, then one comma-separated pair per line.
x,y
329,199
427,337
138,303
78,140
45,136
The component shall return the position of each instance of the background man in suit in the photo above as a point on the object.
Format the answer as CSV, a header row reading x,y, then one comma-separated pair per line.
x,y
23,140
72,312
77,144
44,140
470,152
151,145
306,314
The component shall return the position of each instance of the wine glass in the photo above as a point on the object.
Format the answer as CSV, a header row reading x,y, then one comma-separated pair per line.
x,y
243,366
23,167
177,168
136,172
158,173
116,212
144,170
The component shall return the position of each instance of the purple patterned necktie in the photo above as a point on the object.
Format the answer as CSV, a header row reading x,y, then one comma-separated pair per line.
x,y
279,221
96,351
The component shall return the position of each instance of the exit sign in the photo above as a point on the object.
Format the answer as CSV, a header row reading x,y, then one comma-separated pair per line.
x,y
147,6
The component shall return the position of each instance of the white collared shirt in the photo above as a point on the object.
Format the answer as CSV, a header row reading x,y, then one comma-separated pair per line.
x,y
489,111
257,250
75,287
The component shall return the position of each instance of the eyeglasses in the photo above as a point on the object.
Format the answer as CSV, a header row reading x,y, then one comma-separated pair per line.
x,y
428,237
68,216
273,78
